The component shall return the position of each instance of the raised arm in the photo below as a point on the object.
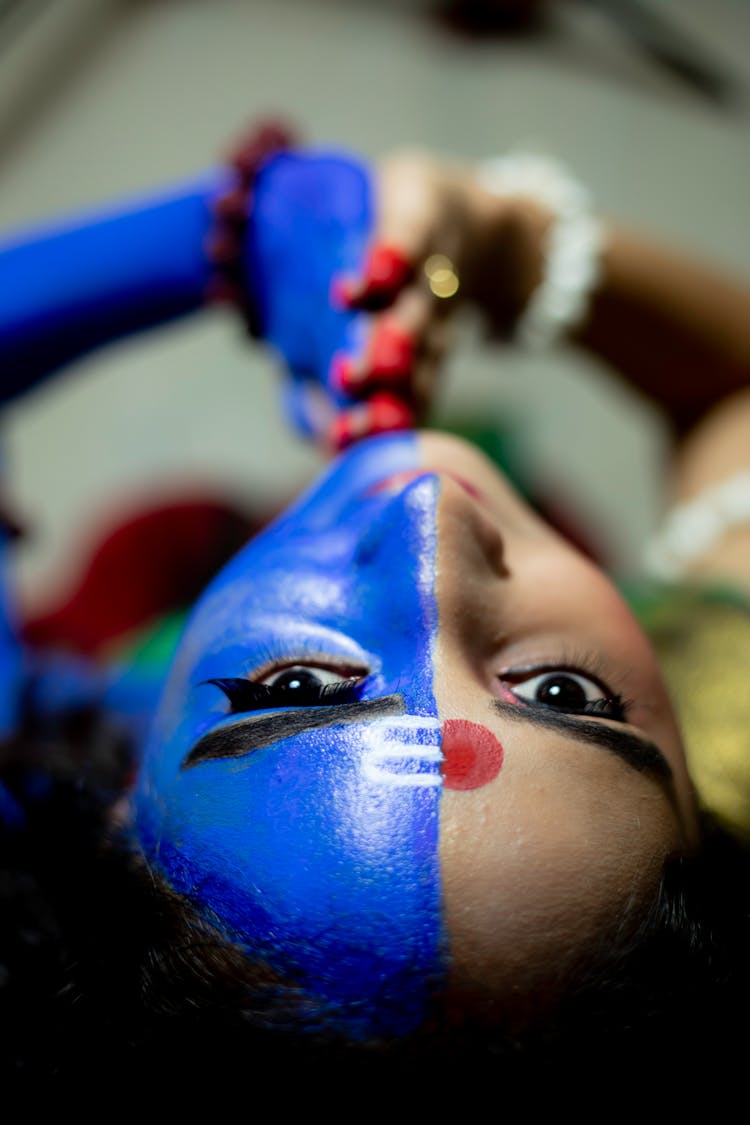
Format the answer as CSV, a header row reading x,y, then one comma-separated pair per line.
x,y
69,287
675,328
267,233
679,330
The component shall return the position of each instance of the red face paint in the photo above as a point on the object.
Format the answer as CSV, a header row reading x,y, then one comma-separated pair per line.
x,y
472,756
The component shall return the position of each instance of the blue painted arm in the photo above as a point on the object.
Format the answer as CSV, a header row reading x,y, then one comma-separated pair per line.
x,y
69,288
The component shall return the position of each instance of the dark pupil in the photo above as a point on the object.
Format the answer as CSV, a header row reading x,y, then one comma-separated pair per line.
x,y
562,691
297,678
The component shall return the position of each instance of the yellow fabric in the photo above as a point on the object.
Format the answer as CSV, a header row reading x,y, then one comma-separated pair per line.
x,y
703,641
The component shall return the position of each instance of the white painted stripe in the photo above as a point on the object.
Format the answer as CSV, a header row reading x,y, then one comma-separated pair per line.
x,y
386,747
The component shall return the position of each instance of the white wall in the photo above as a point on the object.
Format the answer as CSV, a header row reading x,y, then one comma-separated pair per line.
x,y
134,93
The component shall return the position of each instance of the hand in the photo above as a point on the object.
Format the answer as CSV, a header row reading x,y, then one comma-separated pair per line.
x,y
355,317
311,219
440,239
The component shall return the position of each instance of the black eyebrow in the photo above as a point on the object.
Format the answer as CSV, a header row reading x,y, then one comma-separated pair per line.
x,y
637,752
257,731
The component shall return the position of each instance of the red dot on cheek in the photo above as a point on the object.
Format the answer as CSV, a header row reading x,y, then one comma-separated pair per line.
x,y
472,756
387,267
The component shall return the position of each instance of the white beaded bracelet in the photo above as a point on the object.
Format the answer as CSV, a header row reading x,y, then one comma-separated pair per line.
x,y
574,243
693,528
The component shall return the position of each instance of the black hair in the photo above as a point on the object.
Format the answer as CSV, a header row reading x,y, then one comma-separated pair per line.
x,y
105,970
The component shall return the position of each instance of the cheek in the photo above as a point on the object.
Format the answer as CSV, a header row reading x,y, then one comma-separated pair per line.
x,y
320,854
593,609
541,865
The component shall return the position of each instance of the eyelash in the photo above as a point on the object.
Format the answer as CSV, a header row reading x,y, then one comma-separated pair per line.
x,y
612,706
248,695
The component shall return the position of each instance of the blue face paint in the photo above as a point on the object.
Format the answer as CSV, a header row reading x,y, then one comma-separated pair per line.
x,y
317,851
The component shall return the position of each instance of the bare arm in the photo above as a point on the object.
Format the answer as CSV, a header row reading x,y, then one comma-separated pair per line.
x,y
675,328
679,331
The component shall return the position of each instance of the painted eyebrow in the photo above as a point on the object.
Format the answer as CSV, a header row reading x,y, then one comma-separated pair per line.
x,y
639,753
257,731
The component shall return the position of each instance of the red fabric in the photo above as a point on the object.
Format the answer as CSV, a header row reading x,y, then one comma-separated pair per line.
x,y
156,561
160,559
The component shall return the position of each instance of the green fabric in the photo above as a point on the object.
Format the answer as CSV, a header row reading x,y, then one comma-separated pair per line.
x,y
153,647
702,638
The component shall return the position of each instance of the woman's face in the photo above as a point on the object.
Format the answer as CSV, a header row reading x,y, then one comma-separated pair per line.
x,y
414,745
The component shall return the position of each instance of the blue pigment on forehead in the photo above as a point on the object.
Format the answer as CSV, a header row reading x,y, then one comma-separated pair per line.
x,y
318,852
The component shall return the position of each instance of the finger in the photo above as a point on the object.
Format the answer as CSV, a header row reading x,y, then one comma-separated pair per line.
x,y
385,273
308,408
393,348
380,414
389,362
408,210
427,372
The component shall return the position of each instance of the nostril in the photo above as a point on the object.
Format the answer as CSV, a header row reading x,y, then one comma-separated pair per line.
x,y
469,532
490,541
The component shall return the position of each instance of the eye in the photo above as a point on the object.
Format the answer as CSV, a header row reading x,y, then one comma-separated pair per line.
x,y
298,685
306,677
564,690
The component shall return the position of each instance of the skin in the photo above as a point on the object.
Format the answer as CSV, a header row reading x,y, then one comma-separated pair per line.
x,y
314,852
677,330
568,840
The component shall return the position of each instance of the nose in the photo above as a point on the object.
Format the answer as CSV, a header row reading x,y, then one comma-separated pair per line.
x,y
410,515
405,524
468,533
392,588
473,577
430,564
438,539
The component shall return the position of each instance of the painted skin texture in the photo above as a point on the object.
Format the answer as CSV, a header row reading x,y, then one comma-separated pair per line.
x,y
435,847
319,852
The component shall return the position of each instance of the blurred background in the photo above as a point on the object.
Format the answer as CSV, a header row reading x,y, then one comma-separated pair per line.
x,y
646,100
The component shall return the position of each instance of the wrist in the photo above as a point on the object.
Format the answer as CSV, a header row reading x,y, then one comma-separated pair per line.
x,y
510,256
231,211
553,244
